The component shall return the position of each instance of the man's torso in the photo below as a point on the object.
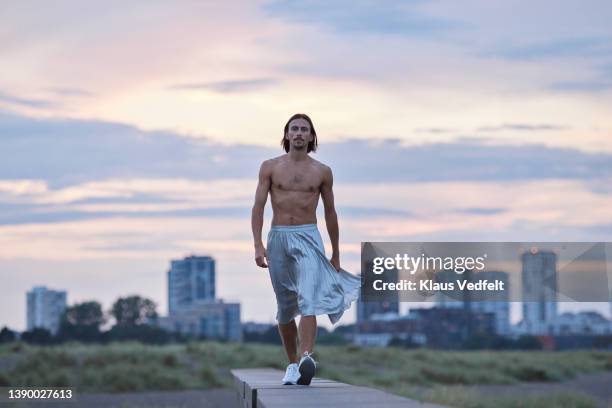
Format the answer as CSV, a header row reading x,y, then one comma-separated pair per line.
x,y
294,190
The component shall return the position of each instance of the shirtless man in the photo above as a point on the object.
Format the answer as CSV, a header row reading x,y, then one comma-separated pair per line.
x,y
304,281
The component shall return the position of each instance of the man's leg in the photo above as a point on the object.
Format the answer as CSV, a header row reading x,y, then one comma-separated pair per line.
x,y
308,333
289,335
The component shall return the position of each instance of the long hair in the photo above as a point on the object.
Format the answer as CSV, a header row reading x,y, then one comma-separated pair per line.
x,y
312,146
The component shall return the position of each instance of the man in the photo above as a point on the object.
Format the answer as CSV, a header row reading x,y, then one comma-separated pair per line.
x,y
305,282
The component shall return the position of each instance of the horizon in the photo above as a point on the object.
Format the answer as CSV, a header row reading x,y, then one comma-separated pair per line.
x,y
441,123
604,308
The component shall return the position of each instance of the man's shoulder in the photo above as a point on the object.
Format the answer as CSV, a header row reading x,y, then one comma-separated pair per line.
x,y
269,163
321,166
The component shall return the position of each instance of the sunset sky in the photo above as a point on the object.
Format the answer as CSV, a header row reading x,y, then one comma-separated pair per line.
x,y
132,133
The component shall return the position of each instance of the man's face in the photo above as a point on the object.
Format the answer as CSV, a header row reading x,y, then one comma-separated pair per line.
x,y
299,134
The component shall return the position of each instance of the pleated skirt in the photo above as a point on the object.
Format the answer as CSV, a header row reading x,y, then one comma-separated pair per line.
x,y
304,280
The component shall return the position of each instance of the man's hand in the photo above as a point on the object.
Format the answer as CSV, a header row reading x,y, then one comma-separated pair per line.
x,y
261,256
335,261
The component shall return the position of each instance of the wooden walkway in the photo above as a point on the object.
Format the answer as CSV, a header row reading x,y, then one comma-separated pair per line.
x,y
261,388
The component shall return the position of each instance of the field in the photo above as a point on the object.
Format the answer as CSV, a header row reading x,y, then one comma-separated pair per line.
x,y
436,376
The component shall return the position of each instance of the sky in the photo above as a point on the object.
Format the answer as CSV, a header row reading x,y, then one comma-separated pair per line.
x,y
132,133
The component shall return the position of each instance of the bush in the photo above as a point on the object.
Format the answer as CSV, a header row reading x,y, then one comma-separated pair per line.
x,y
127,378
209,377
331,338
7,335
4,380
38,336
143,333
170,360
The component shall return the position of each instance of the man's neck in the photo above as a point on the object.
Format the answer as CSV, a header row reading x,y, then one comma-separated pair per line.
x,y
298,155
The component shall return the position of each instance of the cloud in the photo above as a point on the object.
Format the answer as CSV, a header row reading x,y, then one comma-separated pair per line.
x,y
25,102
386,17
392,162
512,210
244,85
555,48
481,211
605,70
70,92
64,152
594,85
352,211
598,79
436,130
74,152
22,187
95,168
13,214
47,214
523,127
89,256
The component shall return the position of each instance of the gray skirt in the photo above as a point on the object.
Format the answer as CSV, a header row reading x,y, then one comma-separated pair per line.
x,y
304,281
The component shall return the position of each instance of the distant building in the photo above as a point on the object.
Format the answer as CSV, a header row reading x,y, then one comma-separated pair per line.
x,y
497,303
381,329
539,275
45,308
388,302
451,328
259,328
375,339
192,305
189,280
367,310
436,327
582,323
260,332
209,319
581,330
501,315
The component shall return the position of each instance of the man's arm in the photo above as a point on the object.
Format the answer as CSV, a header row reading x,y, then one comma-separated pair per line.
x,y
261,196
331,218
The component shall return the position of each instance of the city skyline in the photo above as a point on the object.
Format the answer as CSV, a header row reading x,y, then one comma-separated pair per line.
x,y
192,281
133,134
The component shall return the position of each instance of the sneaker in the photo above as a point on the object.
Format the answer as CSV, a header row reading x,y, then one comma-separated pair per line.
x,y
306,368
291,375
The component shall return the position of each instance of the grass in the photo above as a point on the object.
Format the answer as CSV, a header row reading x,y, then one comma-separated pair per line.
x,y
366,366
123,367
464,398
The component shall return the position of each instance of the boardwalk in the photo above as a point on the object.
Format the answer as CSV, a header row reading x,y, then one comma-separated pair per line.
x,y
261,388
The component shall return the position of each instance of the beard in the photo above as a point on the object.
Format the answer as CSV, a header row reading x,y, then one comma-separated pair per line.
x,y
300,147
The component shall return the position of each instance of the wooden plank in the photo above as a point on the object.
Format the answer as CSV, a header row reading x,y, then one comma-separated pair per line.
x,y
335,397
262,388
239,388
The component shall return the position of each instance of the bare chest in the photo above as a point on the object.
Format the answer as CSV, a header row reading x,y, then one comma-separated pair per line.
x,y
296,180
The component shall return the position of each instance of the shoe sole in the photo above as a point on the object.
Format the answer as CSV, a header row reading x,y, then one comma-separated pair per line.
x,y
307,371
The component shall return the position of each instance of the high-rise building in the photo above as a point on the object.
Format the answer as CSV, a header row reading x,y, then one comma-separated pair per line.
x,y
45,308
497,303
190,280
207,319
539,275
193,308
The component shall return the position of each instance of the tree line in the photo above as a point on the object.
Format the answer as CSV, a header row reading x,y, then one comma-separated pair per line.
x,y
134,317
